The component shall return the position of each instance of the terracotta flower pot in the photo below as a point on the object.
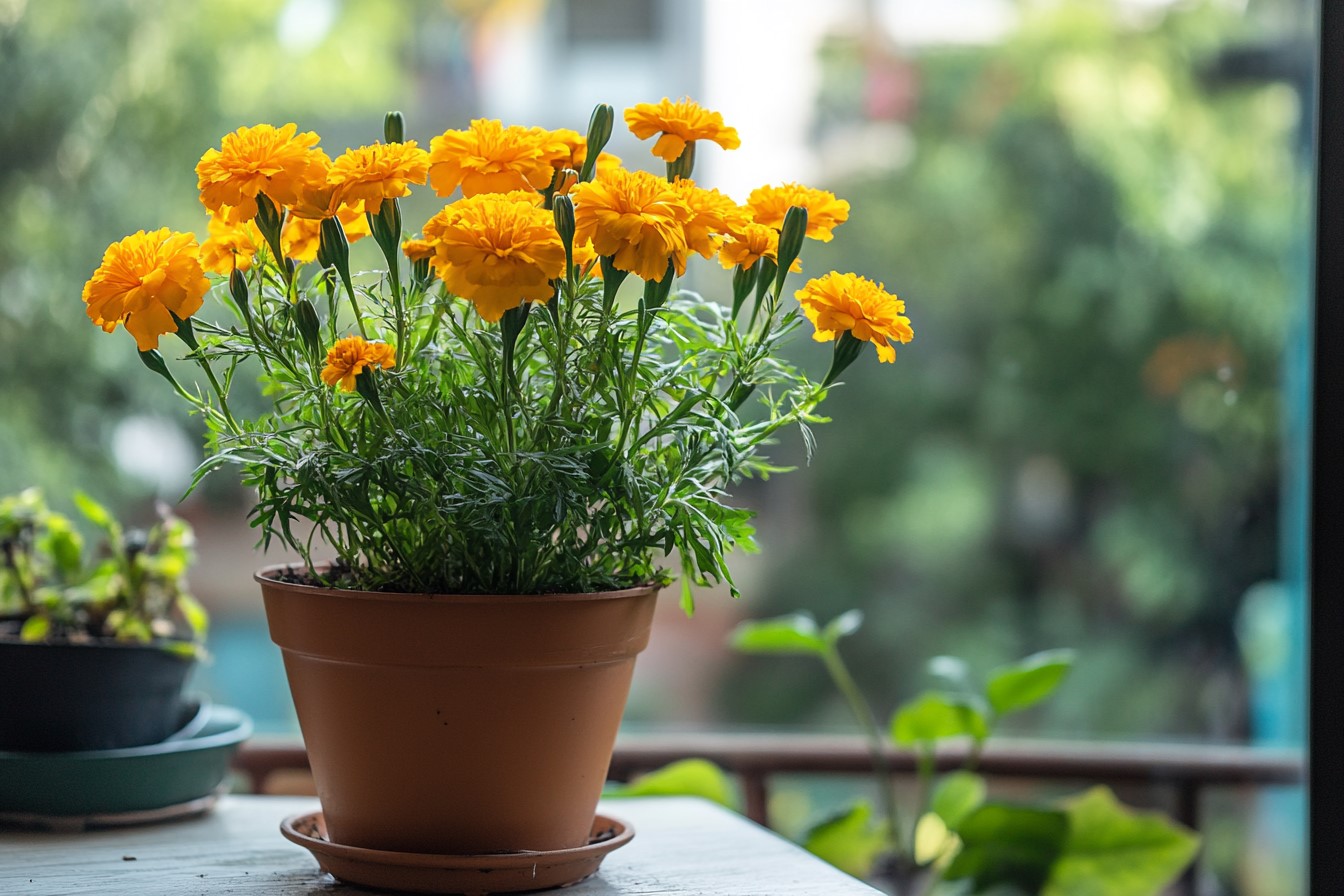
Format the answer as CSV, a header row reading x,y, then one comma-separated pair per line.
x,y
458,724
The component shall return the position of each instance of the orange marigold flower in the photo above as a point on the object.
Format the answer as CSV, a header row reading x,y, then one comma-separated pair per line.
x,y
417,250
750,242
577,147
490,158
713,215
261,159
496,250
679,123
353,355
301,236
143,278
839,302
769,205
230,246
371,174
636,218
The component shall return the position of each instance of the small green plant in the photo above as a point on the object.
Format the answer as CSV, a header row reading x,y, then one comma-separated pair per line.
x,y
133,589
957,838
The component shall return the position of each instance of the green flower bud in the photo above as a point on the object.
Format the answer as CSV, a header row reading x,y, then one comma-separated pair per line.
x,y
394,128
790,242
305,320
185,331
564,223
682,167
847,350
657,291
743,281
333,249
599,132
238,291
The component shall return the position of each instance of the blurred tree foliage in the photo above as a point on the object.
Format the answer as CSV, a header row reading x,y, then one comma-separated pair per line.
x,y
107,108
1082,446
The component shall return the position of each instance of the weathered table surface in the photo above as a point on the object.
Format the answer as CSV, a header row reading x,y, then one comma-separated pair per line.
x,y
682,847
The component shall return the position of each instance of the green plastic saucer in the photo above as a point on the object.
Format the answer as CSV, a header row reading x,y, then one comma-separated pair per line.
x,y
178,776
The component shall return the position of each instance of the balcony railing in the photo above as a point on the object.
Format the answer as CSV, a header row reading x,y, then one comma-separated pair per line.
x,y
1180,773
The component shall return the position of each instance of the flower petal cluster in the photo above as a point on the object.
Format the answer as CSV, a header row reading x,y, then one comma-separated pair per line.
x,y
713,216
769,205
636,218
491,158
353,355
496,250
230,246
577,146
848,302
301,236
370,174
253,160
679,123
750,242
141,279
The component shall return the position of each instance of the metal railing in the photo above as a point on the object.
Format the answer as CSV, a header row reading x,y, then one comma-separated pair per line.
x,y
1184,771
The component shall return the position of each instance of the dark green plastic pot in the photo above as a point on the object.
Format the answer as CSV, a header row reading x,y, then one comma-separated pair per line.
x,y
99,696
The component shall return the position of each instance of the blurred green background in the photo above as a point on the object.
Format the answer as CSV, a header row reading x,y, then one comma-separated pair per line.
x,y
1097,213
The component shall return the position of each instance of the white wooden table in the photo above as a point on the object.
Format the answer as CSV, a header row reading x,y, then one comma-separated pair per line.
x,y
682,847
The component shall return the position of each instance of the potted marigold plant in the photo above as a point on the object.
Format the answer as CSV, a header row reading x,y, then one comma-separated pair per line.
x,y
95,646
496,448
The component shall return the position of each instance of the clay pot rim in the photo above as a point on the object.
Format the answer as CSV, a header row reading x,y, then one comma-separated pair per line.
x,y
266,576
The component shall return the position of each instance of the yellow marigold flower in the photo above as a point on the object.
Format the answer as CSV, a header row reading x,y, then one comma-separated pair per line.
x,y
261,159
679,123
351,356
370,174
417,250
490,158
636,218
301,236
230,246
141,279
839,302
713,215
496,250
769,205
751,241
577,146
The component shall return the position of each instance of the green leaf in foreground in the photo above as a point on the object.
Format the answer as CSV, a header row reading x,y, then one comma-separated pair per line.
x,y
1008,846
1028,681
686,777
933,716
1111,850
957,795
849,840
793,634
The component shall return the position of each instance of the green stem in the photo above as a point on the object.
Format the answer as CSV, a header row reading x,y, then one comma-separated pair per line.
x,y
219,393
859,706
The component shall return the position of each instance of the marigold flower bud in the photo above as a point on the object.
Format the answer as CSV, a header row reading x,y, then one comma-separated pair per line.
x,y
394,128
599,132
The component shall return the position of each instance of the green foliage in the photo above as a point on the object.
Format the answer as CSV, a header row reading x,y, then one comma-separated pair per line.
x,y
932,717
135,590
851,840
1114,851
1027,682
1082,847
956,795
686,777
1003,845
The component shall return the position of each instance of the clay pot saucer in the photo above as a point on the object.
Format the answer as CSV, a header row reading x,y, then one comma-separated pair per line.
x,y
471,875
